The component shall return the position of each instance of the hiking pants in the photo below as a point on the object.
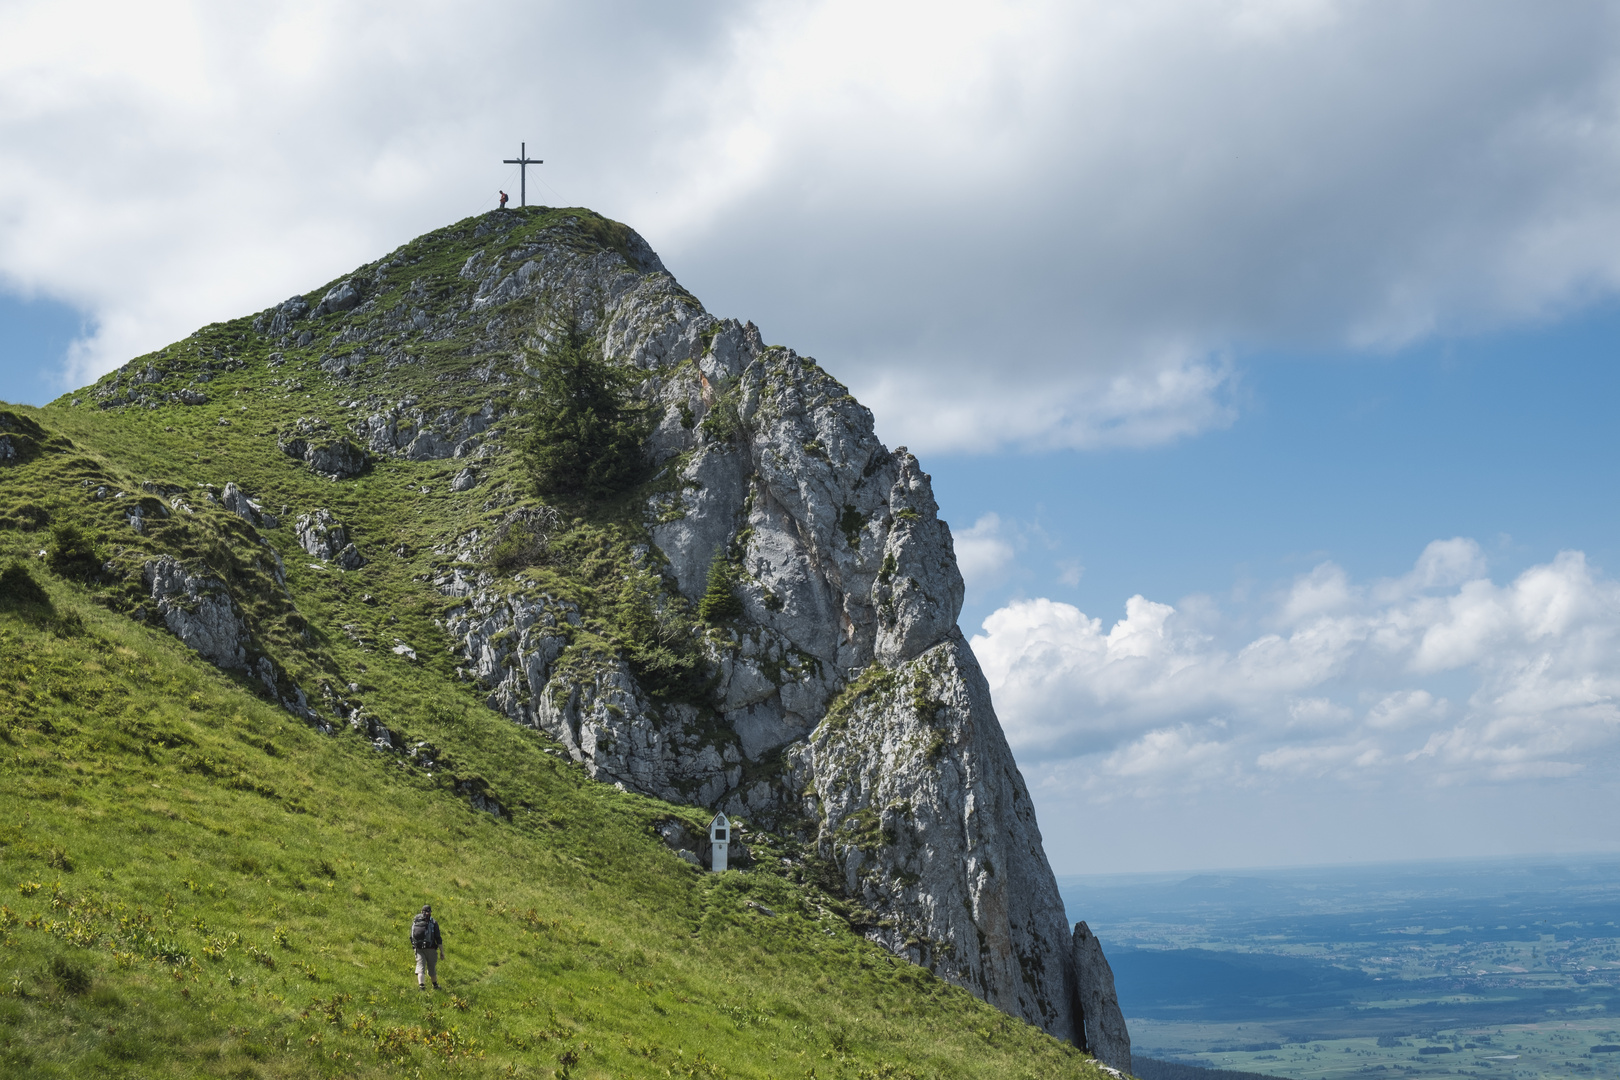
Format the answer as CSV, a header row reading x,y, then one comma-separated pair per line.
x,y
428,960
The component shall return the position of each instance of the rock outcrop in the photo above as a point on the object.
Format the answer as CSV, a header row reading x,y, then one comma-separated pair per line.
x,y
281,318
321,535
198,609
19,438
408,431
1102,1026
924,815
324,453
245,508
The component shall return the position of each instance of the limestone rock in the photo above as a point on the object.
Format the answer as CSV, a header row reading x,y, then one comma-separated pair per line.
x,y
338,365
197,608
713,486
279,320
337,460
313,442
1103,1033
342,297
924,813
323,536
686,845
350,558
245,508
407,431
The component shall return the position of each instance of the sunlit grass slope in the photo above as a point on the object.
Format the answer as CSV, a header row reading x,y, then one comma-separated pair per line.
x,y
199,884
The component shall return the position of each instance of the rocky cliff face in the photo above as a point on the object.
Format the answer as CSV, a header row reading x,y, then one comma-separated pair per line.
x,y
850,707
842,706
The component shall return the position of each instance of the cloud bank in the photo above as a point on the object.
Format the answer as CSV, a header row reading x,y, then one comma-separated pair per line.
x,y
1032,224
1438,678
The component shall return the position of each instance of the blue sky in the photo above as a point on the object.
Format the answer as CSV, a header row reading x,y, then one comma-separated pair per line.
x,y
1509,438
1358,459
1261,350
35,335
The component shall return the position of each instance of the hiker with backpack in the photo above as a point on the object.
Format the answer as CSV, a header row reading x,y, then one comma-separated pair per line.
x,y
429,946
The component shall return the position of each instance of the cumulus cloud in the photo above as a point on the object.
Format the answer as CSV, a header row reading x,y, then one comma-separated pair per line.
x,y
1349,682
1037,223
984,552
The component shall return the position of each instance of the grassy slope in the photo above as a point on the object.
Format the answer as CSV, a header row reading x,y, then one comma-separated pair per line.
x,y
211,835
173,837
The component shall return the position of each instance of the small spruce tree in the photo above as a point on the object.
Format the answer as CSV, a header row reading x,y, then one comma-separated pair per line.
x,y
73,554
584,436
719,601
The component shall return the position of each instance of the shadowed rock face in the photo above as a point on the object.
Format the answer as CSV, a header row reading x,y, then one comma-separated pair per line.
x,y
1100,1025
332,457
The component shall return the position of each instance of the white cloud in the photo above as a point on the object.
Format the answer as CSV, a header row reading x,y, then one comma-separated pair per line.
x,y
984,553
1405,707
1348,685
1038,223
1183,752
1319,760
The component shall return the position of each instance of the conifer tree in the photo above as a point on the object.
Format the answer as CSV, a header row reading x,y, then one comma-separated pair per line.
x,y
72,553
584,437
719,602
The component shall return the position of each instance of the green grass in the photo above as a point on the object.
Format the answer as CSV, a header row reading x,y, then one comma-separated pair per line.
x,y
199,884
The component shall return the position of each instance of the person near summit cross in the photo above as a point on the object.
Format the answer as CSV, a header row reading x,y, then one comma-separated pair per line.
x,y
503,200
429,946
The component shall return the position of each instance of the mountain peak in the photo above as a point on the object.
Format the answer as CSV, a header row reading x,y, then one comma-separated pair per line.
x,y
374,426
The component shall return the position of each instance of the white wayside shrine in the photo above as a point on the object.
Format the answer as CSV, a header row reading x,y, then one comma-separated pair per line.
x,y
719,838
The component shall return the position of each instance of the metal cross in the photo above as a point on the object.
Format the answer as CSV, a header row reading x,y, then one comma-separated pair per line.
x,y
523,160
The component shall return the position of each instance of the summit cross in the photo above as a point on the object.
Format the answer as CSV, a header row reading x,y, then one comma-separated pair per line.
x,y
523,161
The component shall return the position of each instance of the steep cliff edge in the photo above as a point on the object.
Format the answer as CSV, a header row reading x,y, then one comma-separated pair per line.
x,y
841,706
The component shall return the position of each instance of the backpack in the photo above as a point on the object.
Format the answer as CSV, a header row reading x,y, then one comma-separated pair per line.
x,y
424,932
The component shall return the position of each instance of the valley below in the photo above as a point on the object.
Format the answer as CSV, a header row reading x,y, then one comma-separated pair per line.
x,y
1503,968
